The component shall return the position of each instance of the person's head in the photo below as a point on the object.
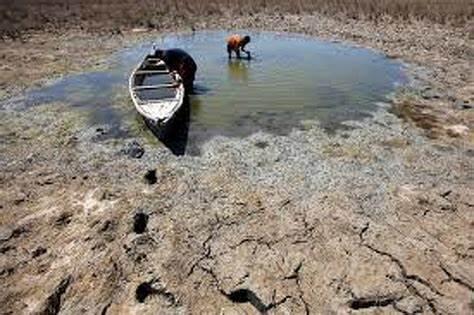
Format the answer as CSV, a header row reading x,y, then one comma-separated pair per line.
x,y
159,53
246,39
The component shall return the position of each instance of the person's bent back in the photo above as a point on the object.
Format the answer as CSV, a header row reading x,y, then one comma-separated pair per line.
x,y
180,61
237,43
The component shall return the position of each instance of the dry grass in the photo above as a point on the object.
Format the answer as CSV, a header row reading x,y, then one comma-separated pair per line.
x,y
430,118
19,15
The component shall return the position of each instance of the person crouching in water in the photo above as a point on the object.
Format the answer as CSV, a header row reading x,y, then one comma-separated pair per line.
x,y
237,43
180,61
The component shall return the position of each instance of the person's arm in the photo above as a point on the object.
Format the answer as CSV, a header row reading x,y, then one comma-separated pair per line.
x,y
245,51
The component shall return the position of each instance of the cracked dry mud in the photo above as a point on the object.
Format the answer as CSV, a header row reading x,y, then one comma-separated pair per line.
x,y
242,229
374,219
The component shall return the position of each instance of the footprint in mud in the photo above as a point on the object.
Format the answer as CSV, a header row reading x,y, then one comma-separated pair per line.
x,y
64,219
150,177
140,221
38,252
154,287
261,144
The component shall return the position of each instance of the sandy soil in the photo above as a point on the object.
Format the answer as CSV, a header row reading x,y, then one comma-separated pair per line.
x,y
375,219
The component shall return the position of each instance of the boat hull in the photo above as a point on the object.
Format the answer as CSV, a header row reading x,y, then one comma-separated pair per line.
x,y
156,103
173,134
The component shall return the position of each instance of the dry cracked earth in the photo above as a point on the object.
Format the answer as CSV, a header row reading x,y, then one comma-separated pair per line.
x,y
374,219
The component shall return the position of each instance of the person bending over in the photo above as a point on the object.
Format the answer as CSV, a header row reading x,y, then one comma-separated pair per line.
x,y
180,61
237,43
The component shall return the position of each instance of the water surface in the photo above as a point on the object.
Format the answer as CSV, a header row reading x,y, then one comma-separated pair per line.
x,y
290,79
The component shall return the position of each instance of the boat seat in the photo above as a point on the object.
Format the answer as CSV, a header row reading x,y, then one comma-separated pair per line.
x,y
152,72
155,87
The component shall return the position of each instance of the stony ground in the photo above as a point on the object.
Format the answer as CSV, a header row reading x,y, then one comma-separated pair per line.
x,y
376,218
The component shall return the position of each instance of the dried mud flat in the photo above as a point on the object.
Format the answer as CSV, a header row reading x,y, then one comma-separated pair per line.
x,y
377,218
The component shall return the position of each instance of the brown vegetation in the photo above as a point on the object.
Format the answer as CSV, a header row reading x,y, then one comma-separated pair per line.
x,y
418,113
20,15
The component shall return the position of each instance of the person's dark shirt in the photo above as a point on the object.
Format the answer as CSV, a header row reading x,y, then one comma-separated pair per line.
x,y
176,58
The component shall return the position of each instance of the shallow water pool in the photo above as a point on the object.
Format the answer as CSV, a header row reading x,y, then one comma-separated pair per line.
x,y
291,78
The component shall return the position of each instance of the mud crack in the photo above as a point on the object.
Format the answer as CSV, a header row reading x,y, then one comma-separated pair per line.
x,y
206,254
456,279
407,279
403,271
374,301
295,275
244,295
206,247
54,301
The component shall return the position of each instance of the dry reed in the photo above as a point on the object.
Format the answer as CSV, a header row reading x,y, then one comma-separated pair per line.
x,y
20,15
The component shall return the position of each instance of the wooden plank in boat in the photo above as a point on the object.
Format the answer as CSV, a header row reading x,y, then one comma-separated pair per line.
x,y
152,72
158,101
154,87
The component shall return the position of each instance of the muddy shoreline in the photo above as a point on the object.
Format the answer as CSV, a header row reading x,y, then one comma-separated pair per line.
x,y
375,218
438,57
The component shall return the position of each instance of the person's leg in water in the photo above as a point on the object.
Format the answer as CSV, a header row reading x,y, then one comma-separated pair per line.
x,y
229,51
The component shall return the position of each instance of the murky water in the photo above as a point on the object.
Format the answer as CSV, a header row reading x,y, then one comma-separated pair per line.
x,y
290,78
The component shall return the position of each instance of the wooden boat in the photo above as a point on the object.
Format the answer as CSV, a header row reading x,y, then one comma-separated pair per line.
x,y
156,92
